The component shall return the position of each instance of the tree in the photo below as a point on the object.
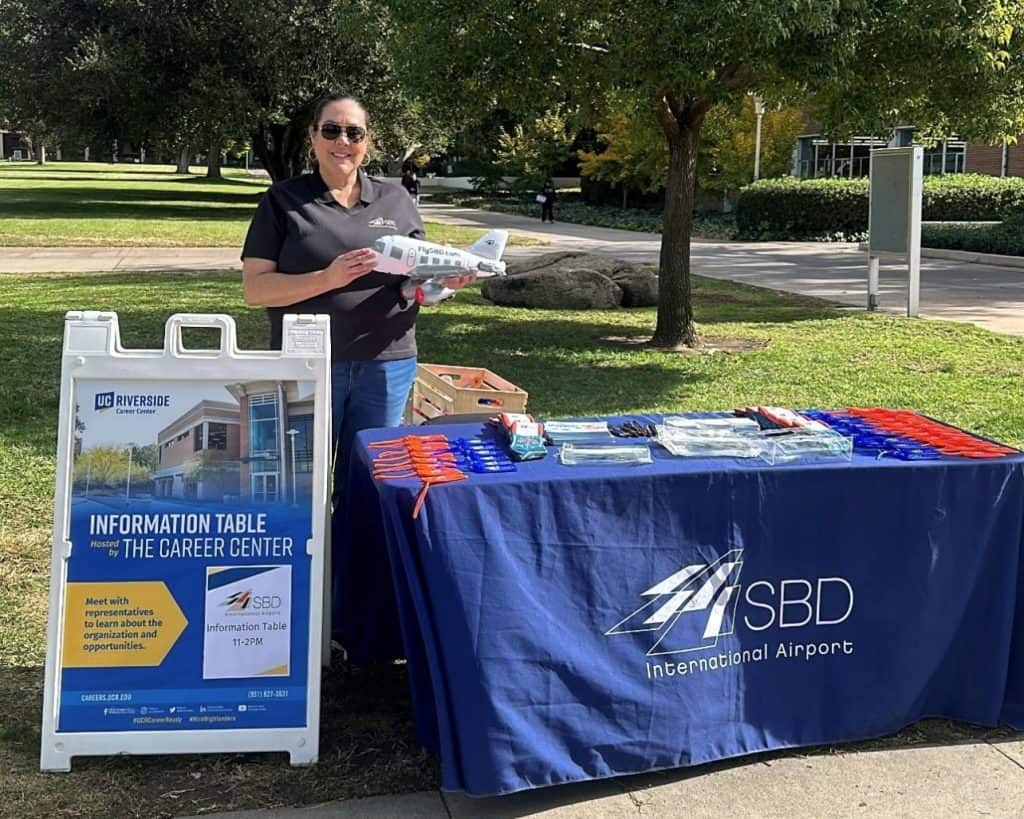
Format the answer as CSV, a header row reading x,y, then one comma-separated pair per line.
x,y
534,150
856,63
726,162
158,73
405,128
200,73
633,155
287,73
78,431
108,468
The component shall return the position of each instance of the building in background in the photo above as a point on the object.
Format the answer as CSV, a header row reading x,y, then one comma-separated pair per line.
x,y
276,433
258,450
815,156
15,145
197,454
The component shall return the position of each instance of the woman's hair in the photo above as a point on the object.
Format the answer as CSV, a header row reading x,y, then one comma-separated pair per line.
x,y
327,99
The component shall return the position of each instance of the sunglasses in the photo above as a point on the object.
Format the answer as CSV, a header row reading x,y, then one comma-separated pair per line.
x,y
353,133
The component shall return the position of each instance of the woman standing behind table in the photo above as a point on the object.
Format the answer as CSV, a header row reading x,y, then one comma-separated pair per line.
x,y
308,250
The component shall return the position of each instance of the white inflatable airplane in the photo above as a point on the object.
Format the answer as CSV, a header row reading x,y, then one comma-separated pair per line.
x,y
428,265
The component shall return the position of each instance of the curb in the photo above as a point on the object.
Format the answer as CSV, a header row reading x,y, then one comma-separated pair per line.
x,y
966,256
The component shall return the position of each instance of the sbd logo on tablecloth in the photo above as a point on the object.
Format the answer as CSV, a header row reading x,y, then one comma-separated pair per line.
x,y
689,610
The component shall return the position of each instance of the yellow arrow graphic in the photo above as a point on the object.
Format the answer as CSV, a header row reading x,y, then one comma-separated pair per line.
x,y
119,624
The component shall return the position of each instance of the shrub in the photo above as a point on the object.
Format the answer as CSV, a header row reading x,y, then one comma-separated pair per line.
x,y
792,208
1006,238
971,198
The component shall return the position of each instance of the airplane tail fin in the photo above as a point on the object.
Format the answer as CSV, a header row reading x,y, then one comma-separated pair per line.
x,y
491,245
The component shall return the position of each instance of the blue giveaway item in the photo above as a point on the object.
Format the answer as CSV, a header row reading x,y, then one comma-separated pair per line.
x,y
523,436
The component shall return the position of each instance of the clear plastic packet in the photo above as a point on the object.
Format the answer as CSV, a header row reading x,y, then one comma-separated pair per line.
x,y
574,454
712,443
577,431
808,445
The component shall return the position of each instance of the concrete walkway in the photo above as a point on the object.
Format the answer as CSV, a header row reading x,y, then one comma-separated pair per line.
x,y
990,295
971,779
112,259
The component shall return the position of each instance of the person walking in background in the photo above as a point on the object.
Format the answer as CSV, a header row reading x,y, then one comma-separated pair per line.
x,y
411,185
547,199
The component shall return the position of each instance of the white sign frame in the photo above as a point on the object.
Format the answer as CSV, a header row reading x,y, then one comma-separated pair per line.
x,y
92,349
907,176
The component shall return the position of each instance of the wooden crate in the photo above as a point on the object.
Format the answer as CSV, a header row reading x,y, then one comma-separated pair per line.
x,y
443,390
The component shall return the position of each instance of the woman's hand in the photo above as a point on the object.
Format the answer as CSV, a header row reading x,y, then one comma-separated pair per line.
x,y
458,282
348,267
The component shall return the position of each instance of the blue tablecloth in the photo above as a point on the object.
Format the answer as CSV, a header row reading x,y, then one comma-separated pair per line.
x,y
565,623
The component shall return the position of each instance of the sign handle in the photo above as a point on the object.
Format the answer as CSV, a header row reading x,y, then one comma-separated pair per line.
x,y
173,345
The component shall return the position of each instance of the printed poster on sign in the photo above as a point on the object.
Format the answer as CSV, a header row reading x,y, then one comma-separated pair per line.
x,y
248,619
187,585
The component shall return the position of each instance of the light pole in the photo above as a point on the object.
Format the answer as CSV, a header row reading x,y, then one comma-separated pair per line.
x,y
128,486
758,112
291,433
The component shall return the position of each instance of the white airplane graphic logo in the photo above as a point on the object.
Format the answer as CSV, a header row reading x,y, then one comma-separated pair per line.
x,y
712,587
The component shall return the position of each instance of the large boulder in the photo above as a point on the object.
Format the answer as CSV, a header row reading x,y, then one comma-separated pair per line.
x,y
565,289
639,286
573,280
537,262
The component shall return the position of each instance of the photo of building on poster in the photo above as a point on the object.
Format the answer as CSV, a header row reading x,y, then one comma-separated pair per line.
x,y
247,443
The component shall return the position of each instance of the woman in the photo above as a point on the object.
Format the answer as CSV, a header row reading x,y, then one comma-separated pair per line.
x,y
547,198
308,251
411,185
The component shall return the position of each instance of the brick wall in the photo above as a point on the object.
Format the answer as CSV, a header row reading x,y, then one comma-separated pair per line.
x,y
987,159
177,452
1015,160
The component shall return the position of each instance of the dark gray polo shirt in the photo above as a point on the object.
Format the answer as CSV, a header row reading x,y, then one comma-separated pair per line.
x,y
300,226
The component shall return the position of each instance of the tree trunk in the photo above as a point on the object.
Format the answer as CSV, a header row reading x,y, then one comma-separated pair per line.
x,y
213,161
183,158
41,160
625,193
675,304
281,149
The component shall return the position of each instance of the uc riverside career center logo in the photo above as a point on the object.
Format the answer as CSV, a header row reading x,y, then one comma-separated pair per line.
x,y
131,403
688,611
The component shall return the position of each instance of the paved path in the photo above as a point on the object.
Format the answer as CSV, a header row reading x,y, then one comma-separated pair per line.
x,y
988,295
932,782
108,259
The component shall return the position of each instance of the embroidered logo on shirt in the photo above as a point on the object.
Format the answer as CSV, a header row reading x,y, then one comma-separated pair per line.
x,y
380,222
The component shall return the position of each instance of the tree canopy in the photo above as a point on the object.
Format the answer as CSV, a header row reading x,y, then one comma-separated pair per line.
x,y
201,72
858,65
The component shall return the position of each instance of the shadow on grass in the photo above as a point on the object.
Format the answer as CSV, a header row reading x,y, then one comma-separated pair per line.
x,y
559,358
192,201
368,746
118,173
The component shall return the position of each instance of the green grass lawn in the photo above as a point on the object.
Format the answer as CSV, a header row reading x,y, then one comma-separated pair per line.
x,y
77,204
814,354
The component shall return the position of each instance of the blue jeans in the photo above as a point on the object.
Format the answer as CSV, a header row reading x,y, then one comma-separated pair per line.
x,y
365,394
